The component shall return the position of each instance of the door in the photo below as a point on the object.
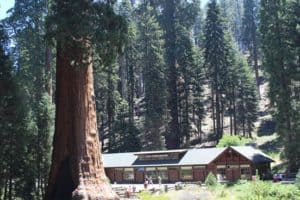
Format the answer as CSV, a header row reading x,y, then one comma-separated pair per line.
x,y
199,174
173,175
118,176
139,176
233,174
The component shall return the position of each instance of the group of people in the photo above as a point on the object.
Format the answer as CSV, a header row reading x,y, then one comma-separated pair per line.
x,y
130,190
148,180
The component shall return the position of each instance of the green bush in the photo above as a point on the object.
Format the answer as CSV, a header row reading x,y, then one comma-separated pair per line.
x,y
211,180
268,191
232,140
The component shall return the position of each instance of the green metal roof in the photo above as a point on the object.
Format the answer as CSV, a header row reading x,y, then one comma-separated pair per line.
x,y
119,159
191,157
201,156
255,155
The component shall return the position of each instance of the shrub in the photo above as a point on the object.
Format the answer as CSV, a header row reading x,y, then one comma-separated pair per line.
x,y
211,180
232,140
268,191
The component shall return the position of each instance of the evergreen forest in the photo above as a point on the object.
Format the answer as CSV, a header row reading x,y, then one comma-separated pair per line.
x,y
163,74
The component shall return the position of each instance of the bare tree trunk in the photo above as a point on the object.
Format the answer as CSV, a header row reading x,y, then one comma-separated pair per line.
x,y
187,131
130,85
222,118
10,186
218,115
5,189
234,114
43,186
255,59
110,107
48,58
230,118
77,169
11,165
1,190
48,72
213,109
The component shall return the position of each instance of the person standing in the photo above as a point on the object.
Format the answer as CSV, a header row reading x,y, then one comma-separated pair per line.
x,y
159,181
146,183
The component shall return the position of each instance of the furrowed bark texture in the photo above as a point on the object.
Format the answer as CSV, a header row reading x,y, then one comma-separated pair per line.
x,y
77,171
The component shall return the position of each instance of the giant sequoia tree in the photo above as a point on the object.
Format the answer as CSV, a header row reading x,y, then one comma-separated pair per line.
x,y
77,170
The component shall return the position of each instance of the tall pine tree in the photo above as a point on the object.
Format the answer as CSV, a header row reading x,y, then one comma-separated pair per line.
x,y
215,61
280,39
250,35
154,79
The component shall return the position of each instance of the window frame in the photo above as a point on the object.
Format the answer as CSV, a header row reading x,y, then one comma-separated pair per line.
x,y
185,169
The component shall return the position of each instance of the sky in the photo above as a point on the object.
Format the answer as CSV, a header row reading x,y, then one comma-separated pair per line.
x,y
4,6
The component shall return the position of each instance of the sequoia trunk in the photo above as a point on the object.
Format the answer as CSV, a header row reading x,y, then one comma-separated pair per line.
x,y
77,170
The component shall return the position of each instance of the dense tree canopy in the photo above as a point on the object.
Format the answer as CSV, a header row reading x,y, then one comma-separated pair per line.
x,y
167,74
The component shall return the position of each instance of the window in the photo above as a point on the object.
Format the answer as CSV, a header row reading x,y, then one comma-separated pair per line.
x,y
128,174
163,172
245,172
186,173
151,172
165,156
199,167
221,172
232,166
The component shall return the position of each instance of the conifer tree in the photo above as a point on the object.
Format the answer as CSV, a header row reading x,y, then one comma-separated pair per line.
x,y
154,78
173,131
246,99
279,22
215,61
241,99
18,131
77,169
231,11
250,35
27,30
125,124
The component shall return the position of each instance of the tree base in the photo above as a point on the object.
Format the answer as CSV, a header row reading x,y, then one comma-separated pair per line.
x,y
94,192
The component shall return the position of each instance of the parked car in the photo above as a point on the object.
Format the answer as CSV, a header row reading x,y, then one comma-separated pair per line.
x,y
284,178
278,177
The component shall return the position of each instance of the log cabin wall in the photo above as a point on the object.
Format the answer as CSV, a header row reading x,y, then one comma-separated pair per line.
x,y
228,164
232,166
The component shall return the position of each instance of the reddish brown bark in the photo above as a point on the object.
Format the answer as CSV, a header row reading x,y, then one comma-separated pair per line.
x,y
77,170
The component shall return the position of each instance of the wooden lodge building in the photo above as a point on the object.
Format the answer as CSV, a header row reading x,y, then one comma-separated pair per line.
x,y
188,165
